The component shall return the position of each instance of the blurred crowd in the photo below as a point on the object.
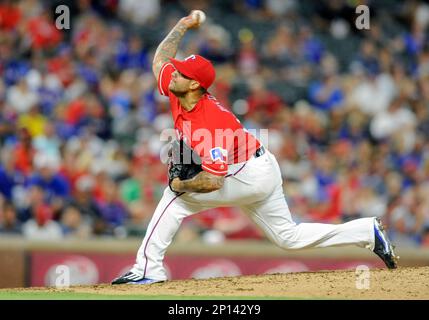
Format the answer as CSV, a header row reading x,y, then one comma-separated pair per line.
x,y
81,118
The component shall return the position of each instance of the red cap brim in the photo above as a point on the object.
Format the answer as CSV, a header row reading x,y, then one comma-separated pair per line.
x,y
181,67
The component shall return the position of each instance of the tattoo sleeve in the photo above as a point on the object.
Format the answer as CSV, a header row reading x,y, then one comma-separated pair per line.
x,y
203,182
168,48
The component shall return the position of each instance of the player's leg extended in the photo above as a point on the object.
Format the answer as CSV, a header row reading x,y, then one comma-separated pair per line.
x,y
274,217
165,222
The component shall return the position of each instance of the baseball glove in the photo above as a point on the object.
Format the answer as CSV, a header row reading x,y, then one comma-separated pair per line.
x,y
183,162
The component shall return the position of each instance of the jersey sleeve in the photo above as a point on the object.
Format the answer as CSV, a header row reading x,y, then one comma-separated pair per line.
x,y
216,162
164,78
214,154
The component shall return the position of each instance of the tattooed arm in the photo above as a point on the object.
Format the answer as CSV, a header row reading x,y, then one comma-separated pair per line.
x,y
203,182
168,47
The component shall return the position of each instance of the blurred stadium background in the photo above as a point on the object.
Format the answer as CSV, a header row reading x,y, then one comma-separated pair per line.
x,y
80,123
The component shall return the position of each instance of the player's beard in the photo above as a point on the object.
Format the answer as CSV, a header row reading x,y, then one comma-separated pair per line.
x,y
178,92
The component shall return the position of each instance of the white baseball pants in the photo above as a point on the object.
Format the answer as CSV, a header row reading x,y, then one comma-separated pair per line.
x,y
256,187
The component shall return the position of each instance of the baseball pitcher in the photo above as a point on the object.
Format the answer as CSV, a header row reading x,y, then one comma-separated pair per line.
x,y
215,162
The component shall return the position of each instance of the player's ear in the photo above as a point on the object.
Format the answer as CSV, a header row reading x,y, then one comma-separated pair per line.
x,y
194,85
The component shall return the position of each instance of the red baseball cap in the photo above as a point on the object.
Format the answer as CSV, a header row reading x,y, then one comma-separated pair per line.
x,y
197,68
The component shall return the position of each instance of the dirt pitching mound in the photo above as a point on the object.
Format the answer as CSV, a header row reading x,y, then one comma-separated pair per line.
x,y
402,283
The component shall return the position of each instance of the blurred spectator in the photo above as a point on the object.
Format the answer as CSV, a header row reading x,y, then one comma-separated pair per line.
x,y
20,98
132,55
30,8
24,152
87,207
138,193
33,121
111,207
311,47
331,12
367,60
293,166
354,128
279,8
326,208
10,15
407,222
247,56
28,201
326,94
262,100
415,39
50,91
9,223
140,215
41,226
62,66
48,142
47,177
373,94
139,12
216,44
131,189
393,184
42,32
328,69
277,48
397,118
10,177
63,129
73,225
217,225
370,204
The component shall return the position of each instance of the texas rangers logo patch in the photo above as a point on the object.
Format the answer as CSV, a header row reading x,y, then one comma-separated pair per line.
x,y
218,154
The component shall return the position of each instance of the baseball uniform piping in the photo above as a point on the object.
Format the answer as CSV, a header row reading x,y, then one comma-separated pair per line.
x,y
156,224
233,174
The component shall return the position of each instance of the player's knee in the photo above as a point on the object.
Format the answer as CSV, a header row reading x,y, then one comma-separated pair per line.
x,y
287,240
286,244
283,242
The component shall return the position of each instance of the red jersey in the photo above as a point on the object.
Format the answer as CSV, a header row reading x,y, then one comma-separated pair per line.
x,y
211,130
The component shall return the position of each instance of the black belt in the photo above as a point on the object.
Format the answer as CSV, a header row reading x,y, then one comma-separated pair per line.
x,y
259,152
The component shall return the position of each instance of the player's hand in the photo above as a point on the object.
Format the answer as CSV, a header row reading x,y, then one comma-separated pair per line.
x,y
190,22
